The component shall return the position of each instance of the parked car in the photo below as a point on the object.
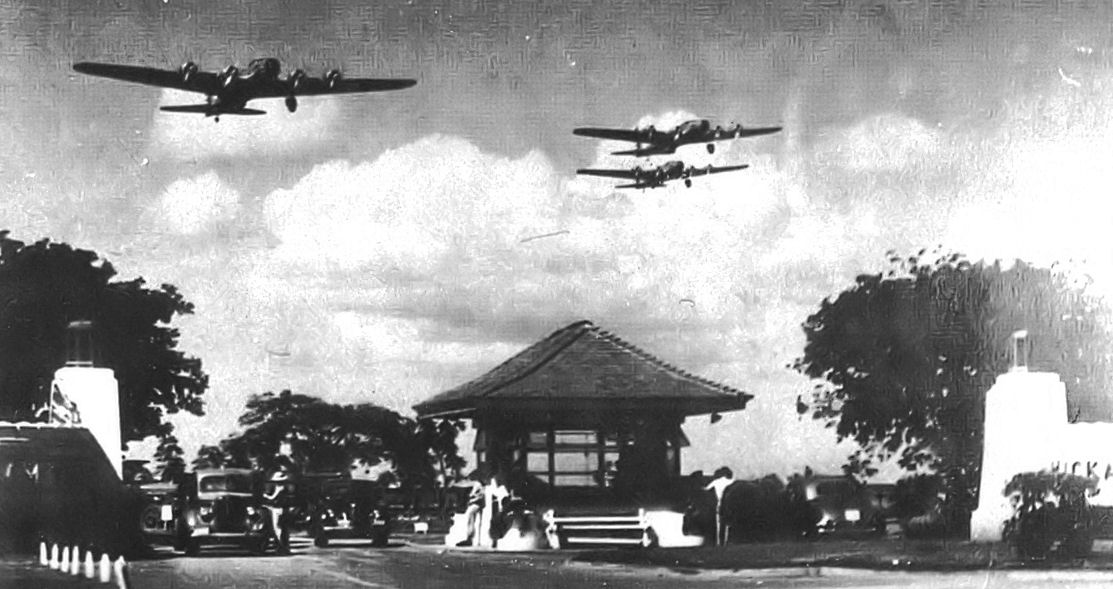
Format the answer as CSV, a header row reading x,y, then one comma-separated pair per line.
x,y
224,506
348,508
158,520
845,506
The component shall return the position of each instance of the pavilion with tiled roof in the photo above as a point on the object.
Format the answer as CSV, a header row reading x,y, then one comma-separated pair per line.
x,y
583,408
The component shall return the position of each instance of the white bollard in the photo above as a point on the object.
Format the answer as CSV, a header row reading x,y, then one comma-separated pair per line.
x,y
44,558
64,562
75,561
105,573
120,568
90,567
54,557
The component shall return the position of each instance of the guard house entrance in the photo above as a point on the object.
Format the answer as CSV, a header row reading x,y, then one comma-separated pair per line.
x,y
583,417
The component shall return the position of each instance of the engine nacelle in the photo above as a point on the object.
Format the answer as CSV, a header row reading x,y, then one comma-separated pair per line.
x,y
188,70
229,74
292,103
296,78
332,77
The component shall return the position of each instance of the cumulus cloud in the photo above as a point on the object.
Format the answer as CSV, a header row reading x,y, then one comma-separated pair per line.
x,y
189,137
194,205
414,206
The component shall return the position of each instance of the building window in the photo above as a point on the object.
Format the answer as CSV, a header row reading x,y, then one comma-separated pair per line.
x,y
580,458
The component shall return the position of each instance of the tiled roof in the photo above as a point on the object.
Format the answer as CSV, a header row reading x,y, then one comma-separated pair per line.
x,y
584,365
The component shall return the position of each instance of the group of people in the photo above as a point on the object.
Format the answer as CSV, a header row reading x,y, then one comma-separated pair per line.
x,y
496,514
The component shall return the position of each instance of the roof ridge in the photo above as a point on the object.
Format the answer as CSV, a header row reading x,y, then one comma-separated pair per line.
x,y
663,365
543,360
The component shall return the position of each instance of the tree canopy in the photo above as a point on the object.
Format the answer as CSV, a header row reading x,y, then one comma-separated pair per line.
x,y
315,435
45,286
905,358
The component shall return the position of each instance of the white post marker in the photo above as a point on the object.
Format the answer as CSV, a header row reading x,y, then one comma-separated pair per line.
x,y
64,562
54,556
105,573
44,558
90,567
75,561
120,568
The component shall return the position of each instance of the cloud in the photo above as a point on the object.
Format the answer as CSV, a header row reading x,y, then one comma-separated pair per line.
x,y
193,205
414,207
189,137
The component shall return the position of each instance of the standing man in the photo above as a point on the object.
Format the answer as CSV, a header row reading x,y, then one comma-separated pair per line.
x,y
723,479
275,498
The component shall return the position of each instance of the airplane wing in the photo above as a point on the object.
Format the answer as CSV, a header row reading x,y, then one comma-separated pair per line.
x,y
714,170
203,82
624,174
647,151
738,132
644,136
205,109
641,185
307,86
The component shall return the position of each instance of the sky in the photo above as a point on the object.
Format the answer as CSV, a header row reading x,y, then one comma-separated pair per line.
x,y
375,248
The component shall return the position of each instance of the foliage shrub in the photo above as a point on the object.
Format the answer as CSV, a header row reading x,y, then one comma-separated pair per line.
x,y
1052,515
918,503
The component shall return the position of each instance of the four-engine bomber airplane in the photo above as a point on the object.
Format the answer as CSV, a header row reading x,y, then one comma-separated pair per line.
x,y
658,142
228,91
655,177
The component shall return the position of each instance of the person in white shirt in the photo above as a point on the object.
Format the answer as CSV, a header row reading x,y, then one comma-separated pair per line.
x,y
723,479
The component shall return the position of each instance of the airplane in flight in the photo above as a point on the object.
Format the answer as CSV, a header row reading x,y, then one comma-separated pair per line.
x,y
228,91
658,142
657,176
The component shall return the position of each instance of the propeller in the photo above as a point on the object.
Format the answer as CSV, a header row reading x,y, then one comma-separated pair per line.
x,y
229,74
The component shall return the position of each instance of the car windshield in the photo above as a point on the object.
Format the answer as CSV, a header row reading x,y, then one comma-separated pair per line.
x,y
226,483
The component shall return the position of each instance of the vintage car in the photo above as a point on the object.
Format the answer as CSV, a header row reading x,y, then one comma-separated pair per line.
x,y
845,506
159,519
341,507
225,506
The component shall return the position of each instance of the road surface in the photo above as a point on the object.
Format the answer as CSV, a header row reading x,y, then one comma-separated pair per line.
x,y
354,564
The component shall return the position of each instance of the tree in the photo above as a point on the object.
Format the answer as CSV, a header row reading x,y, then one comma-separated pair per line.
x,y
322,436
169,455
45,286
904,360
209,456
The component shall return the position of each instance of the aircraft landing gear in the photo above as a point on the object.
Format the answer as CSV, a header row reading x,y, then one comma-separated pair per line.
x,y
687,183
710,148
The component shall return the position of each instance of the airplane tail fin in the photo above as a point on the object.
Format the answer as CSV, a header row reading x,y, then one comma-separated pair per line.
x,y
207,110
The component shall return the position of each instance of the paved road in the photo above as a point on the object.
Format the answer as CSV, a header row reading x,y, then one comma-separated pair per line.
x,y
359,565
